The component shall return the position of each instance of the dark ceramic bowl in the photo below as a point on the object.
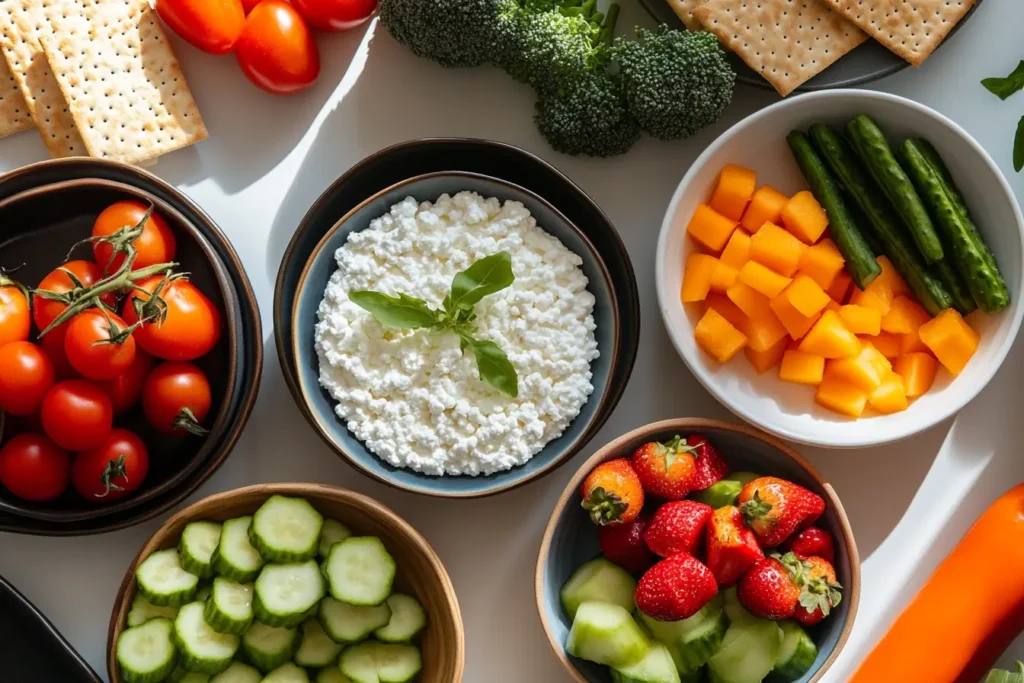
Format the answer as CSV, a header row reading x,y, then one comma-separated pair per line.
x,y
571,539
510,164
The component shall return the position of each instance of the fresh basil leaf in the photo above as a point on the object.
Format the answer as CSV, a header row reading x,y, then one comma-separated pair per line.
x,y
1004,87
488,275
1018,147
403,312
495,367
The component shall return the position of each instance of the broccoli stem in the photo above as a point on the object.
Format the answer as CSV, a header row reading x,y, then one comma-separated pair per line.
x,y
584,10
608,25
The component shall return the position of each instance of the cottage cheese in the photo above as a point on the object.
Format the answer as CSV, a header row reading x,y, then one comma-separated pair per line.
x,y
413,398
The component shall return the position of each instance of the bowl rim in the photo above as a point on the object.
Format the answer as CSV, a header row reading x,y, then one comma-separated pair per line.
x,y
693,424
304,391
121,606
864,437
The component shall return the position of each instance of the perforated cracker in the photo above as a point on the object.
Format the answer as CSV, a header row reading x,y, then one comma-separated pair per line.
x,y
684,10
123,84
910,28
14,116
786,41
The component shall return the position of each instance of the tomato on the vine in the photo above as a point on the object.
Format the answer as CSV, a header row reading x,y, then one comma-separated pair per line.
x,y
277,51
33,468
77,414
52,345
44,310
15,318
186,327
211,25
113,469
26,375
155,244
99,345
335,15
125,390
177,398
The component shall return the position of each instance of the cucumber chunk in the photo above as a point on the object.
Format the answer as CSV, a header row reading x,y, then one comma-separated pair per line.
x,y
143,610
797,653
238,672
198,542
693,641
346,623
202,649
408,618
606,634
203,592
163,581
287,673
229,609
376,662
598,580
316,648
146,653
286,530
748,652
332,532
360,571
734,611
332,674
268,647
183,675
655,667
285,594
235,558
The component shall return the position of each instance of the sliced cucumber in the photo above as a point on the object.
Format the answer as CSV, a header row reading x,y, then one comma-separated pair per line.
x,y
332,674
360,571
202,649
408,618
598,580
198,542
655,667
229,609
671,632
163,581
287,673
606,634
235,557
726,491
316,648
286,530
143,610
346,623
692,676
183,675
797,653
734,611
332,532
285,594
238,672
203,592
376,662
748,652
693,641
268,647
146,653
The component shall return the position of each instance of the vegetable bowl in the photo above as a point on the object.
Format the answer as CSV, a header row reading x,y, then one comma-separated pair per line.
x,y
859,272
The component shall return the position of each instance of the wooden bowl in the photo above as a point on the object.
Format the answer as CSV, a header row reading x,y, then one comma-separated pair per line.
x,y
570,538
420,572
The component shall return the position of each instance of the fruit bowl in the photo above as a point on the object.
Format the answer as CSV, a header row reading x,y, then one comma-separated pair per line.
x,y
571,539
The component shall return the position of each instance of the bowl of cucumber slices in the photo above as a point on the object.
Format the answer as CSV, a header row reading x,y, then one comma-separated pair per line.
x,y
286,583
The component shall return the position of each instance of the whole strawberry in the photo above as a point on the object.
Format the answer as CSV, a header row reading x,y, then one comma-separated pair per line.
x,y
775,509
678,527
665,469
732,548
709,466
612,493
812,542
624,545
821,591
675,589
770,589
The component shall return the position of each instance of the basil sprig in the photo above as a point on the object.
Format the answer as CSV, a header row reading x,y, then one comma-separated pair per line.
x,y
485,277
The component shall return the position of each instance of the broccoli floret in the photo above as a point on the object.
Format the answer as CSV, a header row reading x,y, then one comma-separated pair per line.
x,y
453,33
675,82
587,116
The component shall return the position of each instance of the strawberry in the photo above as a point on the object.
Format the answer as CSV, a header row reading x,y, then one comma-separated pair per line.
x,y
612,493
675,589
812,542
709,467
775,509
678,527
820,593
624,544
731,547
770,589
665,469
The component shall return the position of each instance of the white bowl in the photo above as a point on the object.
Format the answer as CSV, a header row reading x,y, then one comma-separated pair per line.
x,y
759,142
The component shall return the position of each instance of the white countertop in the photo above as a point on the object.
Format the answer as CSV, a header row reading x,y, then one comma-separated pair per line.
x,y
268,158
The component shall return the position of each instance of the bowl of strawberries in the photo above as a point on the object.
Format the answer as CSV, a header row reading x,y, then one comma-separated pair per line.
x,y
695,550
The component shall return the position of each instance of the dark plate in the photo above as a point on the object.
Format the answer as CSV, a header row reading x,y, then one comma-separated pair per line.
x,y
31,649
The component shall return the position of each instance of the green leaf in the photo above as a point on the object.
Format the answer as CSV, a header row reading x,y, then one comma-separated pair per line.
x,y
403,312
1004,87
495,367
488,275
1018,147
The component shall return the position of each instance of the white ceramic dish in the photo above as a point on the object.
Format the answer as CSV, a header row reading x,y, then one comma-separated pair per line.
x,y
759,142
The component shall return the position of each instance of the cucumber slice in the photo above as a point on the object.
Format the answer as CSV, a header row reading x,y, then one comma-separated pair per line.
x,y
672,632
268,647
286,530
725,492
163,581
376,662
693,641
203,592
655,667
146,653
183,675
360,571
332,532
734,611
606,634
229,609
316,649
202,649
598,580
198,542
235,557
287,673
332,674
797,653
238,672
143,610
285,594
692,676
408,618
346,623
748,651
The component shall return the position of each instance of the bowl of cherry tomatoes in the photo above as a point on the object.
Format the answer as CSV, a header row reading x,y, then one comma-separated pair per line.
x,y
130,351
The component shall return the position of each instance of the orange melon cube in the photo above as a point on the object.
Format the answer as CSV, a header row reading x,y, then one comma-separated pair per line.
x,y
734,191
718,337
768,359
830,338
774,247
747,299
765,207
795,322
951,339
802,368
865,371
861,319
764,330
887,344
911,343
727,309
904,316
822,262
722,277
877,295
806,296
803,216
890,396
697,277
737,251
840,397
840,287
917,371
891,277
710,228
832,306
763,279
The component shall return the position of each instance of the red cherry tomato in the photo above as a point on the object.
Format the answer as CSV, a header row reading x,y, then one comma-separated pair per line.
x,y
125,390
77,414
113,469
155,245
190,328
98,345
15,318
248,5
53,346
213,26
277,51
172,389
45,311
26,375
33,468
335,15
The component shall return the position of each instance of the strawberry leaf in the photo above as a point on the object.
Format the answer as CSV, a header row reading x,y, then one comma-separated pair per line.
x,y
604,506
755,508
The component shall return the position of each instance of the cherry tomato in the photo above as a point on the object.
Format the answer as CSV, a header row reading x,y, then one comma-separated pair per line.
x,y
277,51
26,375
125,390
98,345
213,26
335,15
113,469
53,346
248,5
33,468
155,245
45,311
15,318
172,389
77,414
190,328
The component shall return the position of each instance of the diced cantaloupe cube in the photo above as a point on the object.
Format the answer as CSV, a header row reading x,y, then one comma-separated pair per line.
x,y
710,228
727,309
911,343
795,322
737,251
779,250
806,296
802,368
904,316
822,262
718,337
951,339
840,287
918,372
697,277
734,191
890,396
722,277
762,278
891,277
832,306
765,207
887,344
768,359
866,370
763,330
748,299
877,295
861,319
840,397
830,338
803,216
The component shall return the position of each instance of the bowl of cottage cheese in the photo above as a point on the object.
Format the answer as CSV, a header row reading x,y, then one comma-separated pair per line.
x,y
411,402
